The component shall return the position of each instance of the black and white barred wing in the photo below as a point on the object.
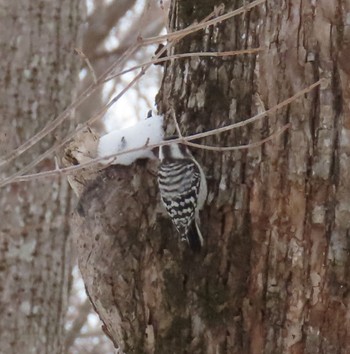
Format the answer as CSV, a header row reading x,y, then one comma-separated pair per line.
x,y
179,183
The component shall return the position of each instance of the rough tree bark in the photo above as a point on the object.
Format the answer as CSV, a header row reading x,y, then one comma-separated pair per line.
x,y
273,277
39,74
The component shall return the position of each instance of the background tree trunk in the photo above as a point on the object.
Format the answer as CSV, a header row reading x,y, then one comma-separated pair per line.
x,y
39,73
273,277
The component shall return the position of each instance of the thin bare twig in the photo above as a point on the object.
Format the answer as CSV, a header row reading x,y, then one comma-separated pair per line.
x,y
187,55
93,87
87,61
263,114
83,311
184,140
90,121
70,136
193,28
66,113
179,140
176,123
99,114
240,147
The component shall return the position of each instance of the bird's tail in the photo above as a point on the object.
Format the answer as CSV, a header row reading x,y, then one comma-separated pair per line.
x,y
194,237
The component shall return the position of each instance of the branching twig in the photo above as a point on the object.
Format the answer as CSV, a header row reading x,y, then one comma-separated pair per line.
x,y
99,114
179,140
263,114
184,140
92,88
93,119
66,113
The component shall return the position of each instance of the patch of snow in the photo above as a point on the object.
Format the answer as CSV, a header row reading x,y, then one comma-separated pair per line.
x,y
145,132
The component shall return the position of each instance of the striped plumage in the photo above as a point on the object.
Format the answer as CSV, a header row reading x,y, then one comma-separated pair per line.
x,y
183,191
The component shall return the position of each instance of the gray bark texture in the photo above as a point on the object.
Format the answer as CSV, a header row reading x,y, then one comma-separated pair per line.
x,y
274,274
39,73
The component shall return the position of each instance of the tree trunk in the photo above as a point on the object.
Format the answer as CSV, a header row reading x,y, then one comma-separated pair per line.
x,y
273,275
39,73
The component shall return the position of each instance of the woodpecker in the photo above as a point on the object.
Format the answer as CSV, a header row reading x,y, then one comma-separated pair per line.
x,y
183,190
